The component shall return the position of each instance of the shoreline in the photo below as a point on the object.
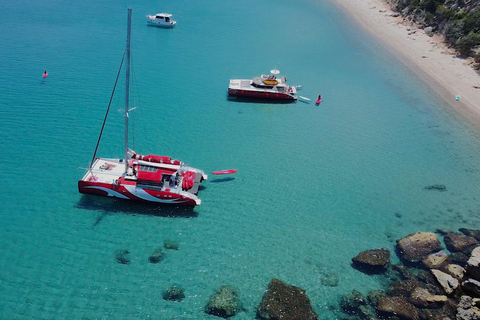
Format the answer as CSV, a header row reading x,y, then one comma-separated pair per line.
x,y
427,56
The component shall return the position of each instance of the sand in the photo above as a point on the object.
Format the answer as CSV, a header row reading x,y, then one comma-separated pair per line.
x,y
446,73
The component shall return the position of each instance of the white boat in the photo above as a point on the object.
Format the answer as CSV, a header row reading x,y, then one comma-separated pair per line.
x,y
150,178
163,20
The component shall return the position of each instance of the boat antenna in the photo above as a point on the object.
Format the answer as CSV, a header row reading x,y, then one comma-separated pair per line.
x,y
127,85
106,114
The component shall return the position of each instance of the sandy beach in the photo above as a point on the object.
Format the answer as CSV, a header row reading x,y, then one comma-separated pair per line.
x,y
448,75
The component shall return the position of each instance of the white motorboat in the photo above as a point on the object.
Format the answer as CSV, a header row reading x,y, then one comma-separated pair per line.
x,y
163,20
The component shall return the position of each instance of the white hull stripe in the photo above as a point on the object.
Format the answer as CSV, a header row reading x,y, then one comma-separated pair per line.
x,y
140,193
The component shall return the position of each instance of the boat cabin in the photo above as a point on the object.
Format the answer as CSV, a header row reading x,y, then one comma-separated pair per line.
x,y
163,17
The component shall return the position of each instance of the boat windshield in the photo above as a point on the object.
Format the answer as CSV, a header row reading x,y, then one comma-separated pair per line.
x,y
167,19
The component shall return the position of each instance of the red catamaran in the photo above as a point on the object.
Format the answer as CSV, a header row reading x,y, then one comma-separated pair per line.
x,y
271,87
150,178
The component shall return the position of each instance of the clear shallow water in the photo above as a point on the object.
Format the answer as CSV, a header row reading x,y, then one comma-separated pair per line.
x,y
315,185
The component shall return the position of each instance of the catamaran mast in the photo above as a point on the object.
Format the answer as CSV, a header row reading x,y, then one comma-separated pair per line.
x,y
127,82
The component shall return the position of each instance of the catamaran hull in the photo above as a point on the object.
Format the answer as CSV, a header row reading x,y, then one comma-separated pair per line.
x,y
261,95
135,193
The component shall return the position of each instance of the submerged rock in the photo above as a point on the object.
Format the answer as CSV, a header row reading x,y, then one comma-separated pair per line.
x,y
170,244
414,247
351,302
372,261
174,293
121,256
224,302
157,256
437,187
283,301
329,278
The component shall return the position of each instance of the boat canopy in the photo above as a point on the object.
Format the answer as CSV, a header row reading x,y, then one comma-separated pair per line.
x,y
153,174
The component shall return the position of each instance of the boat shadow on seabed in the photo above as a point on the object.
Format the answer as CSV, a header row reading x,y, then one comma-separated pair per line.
x,y
110,205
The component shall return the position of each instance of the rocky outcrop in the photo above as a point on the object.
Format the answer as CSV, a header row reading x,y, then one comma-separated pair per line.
x,y
459,242
224,303
455,271
372,261
467,309
448,283
283,301
414,247
473,264
423,298
397,306
435,260
470,233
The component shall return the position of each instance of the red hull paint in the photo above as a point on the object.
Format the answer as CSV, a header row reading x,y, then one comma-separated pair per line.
x,y
260,94
119,191
225,171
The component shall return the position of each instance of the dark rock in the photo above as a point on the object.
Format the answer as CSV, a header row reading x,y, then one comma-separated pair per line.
x,y
174,293
372,261
121,256
224,302
402,272
459,258
403,288
157,256
351,302
283,301
459,242
397,306
471,233
414,247
436,187
170,245
472,287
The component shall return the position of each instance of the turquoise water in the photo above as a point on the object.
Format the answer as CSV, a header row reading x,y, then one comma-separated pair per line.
x,y
315,184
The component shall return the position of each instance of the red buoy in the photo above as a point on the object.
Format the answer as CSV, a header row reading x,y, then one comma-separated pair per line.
x,y
45,74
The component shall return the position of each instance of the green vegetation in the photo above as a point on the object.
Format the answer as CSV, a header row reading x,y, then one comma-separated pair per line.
x,y
458,21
